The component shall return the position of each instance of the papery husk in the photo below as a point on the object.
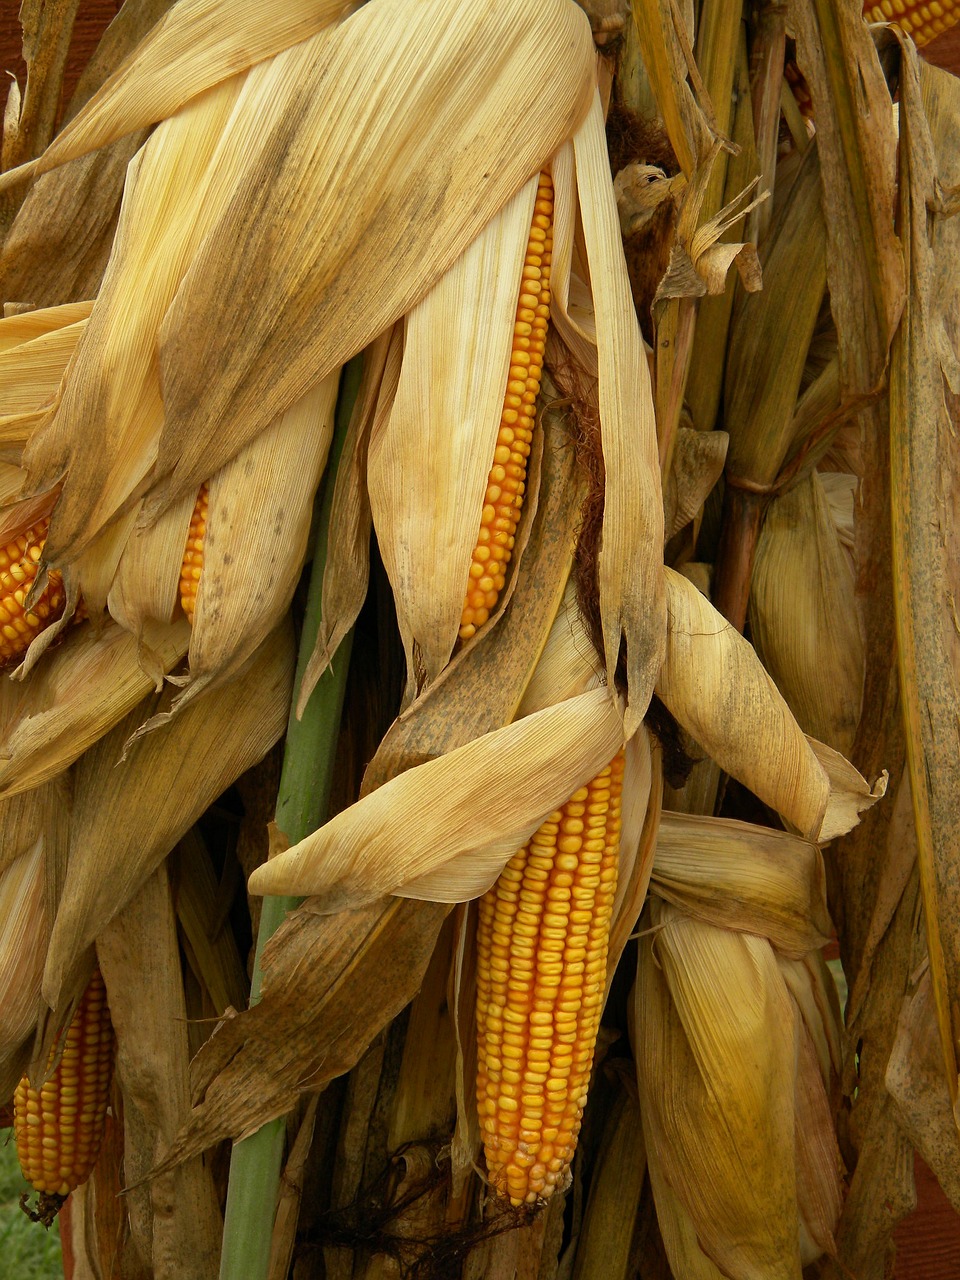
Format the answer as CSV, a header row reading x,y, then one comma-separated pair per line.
x,y
103,433
23,943
195,46
820,1185
518,667
27,326
739,876
127,816
46,43
259,514
175,1219
30,376
83,688
713,683
443,429
145,588
803,619
456,819
632,604
697,466
347,570
715,1043
468,91
207,938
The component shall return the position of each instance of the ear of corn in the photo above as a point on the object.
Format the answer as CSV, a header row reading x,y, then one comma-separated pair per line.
x,y
59,1126
19,561
193,554
541,973
505,488
922,20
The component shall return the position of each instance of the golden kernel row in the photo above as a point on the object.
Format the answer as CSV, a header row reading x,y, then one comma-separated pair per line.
x,y
193,554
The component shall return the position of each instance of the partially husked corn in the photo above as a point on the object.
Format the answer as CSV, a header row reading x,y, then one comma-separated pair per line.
x,y
19,562
507,480
922,22
542,949
193,554
59,1127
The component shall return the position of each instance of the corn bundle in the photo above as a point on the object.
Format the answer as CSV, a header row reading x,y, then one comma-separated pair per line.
x,y
466,561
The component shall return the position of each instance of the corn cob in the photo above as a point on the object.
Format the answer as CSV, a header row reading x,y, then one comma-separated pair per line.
x,y
923,22
507,480
541,973
59,1127
193,554
19,561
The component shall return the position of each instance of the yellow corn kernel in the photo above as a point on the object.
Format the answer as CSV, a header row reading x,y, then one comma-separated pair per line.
x,y
507,480
19,561
530,1110
59,1127
192,565
922,20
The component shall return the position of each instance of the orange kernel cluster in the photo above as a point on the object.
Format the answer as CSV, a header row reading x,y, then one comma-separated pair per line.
x,y
507,480
19,561
542,948
192,565
59,1128
923,22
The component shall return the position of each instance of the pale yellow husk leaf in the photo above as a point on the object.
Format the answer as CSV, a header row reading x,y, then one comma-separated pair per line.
x,y
27,326
24,930
30,373
197,44
128,816
443,429
803,619
739,876
715,1042
146,585
104,431
714,684
439,114
632,601
73,698
456,819
258,523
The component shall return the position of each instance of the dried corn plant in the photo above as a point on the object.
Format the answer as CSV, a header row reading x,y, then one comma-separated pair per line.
x,y
478,595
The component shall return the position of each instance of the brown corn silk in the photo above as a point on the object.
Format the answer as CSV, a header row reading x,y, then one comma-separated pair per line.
x,y
59,1126
505,487
541,973
193,554
19,562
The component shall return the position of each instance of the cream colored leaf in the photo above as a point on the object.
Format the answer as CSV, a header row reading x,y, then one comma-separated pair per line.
x,y
129,814
850,793
739,876
457,818
73,698
714,684
443,429
195,46
631,549
439,114
24,930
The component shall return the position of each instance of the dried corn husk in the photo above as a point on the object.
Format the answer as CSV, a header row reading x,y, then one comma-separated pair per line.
x,y
803,619
445,830
82,689
736,875
120,833
716,1071
23,943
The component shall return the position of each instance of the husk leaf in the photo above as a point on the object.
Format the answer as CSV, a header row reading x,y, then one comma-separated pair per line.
x,y
23,943
196,45
81,690
803,623
468,91
126,822
716,1071
738,876
443,428
713,683
474,807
